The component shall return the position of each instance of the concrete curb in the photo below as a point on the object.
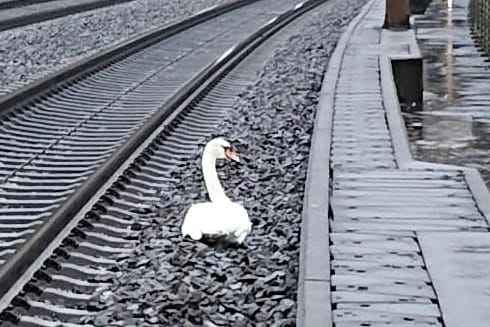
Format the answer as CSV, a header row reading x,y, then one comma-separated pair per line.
x,y
314,298
396,125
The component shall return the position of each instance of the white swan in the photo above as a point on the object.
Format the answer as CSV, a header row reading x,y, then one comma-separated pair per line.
x,y
221,217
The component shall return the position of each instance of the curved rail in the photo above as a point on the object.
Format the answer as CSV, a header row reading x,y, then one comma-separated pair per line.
x,y
76,206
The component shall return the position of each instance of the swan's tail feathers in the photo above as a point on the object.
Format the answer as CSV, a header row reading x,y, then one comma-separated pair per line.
x,y
240,238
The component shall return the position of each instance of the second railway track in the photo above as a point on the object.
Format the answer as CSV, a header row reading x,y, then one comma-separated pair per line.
x,y
21,13
9,4
58,160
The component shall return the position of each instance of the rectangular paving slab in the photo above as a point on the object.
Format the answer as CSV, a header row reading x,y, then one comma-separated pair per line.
x,y
459,265
399,199
378,279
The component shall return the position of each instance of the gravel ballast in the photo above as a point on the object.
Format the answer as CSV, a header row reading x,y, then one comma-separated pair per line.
x,y
171,281
33,51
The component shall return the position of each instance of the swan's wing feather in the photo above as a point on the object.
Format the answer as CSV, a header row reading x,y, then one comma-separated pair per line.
x,y
241,226
193,220
217,219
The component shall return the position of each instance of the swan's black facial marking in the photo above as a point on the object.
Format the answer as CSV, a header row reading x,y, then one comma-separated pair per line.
x,y
230,153
228,148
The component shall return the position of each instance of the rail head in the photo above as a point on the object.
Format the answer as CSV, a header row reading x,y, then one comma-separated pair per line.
x,y
14,270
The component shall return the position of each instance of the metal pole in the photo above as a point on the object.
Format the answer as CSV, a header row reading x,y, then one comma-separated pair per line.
x,y
397,14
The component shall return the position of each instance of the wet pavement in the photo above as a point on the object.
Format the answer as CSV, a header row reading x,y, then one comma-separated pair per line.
x,y
379,202
453,126
459,266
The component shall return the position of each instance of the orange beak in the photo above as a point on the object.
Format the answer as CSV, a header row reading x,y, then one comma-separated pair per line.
x,y
231,155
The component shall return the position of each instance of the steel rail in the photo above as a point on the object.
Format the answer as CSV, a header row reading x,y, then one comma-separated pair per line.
x,y
104,176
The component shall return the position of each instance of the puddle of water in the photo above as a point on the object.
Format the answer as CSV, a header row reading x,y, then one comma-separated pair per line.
x,y
453,126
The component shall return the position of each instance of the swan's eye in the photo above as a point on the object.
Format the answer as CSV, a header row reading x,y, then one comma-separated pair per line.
x,y
227,148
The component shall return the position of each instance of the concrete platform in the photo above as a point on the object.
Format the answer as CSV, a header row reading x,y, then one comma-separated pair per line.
x,y
367,201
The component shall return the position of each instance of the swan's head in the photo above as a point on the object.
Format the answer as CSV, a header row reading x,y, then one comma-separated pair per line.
x,y
221,149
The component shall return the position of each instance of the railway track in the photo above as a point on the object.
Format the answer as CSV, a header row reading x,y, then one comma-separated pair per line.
x,y
21,13
79,181
53,142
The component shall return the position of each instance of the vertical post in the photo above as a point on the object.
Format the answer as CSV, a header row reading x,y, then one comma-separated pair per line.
x,y
397,14
481,28
479,9
474,17
481,25
479,21
487,27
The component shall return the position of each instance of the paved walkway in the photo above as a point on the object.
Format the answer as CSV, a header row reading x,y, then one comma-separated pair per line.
x,y
454,124
369,255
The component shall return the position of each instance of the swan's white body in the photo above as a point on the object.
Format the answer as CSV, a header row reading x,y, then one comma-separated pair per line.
x,y
227,220
221,217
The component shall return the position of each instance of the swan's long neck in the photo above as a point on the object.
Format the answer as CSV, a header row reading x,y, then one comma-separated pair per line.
x,y
213,185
